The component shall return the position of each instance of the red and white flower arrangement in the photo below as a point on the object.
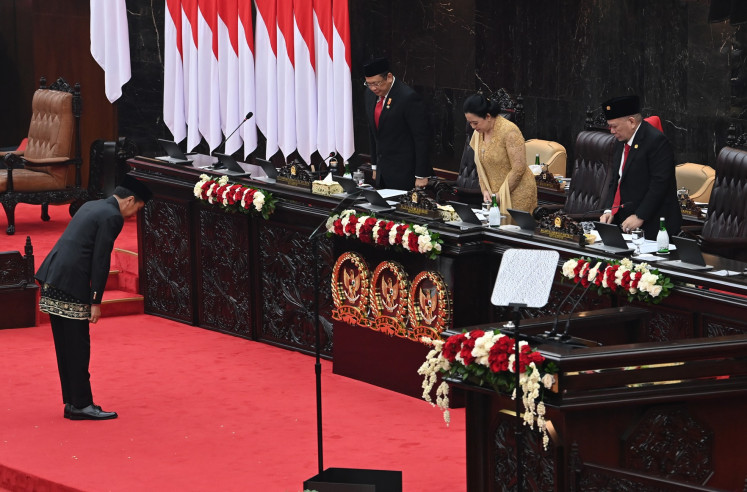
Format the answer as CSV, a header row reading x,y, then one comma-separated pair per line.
x,y
234,197
381,232
638,281
489,358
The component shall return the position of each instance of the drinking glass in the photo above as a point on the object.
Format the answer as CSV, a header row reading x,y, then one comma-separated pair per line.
x,y
638,239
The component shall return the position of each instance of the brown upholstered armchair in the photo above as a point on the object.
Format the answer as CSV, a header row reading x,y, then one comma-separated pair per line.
x,y
552,154
49,169
466,187
697,179
724,232
591,170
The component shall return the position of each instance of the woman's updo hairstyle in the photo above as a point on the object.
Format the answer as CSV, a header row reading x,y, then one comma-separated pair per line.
x,y
481,106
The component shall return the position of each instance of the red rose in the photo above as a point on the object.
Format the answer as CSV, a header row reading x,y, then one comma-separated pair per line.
x,y
452,347
412,242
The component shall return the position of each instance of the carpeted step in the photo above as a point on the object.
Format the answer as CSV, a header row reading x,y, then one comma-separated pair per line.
x,y
126,263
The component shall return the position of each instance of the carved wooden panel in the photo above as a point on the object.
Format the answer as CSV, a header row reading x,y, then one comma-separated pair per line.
x,y
12,269
666,325
287,261
670,443
224,284
538,464
718,327
166,263
601,482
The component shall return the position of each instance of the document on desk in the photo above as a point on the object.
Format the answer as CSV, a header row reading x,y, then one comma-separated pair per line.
x,y
390,193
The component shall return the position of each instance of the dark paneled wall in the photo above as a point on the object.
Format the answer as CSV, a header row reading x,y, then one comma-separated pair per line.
x,y
562,57
51,39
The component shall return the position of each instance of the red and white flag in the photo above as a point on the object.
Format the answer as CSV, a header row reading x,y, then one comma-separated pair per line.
x,y
305,80
191,71
265,71
246,76
208,79
228,73
291,69
325,121
173,72
286,78
110,44
343,84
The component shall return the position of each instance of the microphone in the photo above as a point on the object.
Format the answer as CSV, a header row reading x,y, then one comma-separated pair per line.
x,y
324,161
218,165
564,336
602,210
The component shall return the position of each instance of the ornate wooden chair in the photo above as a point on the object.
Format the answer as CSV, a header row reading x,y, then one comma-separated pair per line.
x,y
49,169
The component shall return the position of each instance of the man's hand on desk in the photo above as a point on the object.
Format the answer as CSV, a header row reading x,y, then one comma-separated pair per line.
x,y
421,182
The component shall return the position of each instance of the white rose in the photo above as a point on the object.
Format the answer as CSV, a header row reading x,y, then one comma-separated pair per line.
x,y
568,268
655,290
223,180
259,201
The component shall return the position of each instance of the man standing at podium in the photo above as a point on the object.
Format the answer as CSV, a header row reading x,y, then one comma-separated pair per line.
x,y
398,130
642,187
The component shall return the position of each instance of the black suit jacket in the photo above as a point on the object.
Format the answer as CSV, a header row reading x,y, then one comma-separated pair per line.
x,y
400,145
648,187
79,262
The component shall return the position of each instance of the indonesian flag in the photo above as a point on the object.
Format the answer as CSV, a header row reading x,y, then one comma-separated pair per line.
x,y
173,72
110,44
286,78
191,71
305,80
265,70
325,90
247,105
291,69
343,103
228,72
208,79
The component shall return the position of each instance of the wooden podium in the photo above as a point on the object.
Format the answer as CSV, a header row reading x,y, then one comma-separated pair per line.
x,y
627,415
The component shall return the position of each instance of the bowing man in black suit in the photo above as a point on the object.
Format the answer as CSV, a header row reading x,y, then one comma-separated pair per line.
x,y
398,130
73,277
643,187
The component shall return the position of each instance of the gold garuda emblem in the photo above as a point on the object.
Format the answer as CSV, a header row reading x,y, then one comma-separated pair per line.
x,y
429,306
350,289
389,288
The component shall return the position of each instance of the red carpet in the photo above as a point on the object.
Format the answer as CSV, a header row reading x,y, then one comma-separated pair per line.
x,y
199,410
205,411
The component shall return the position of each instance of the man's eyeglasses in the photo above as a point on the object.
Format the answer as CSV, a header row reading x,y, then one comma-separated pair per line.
x,y
374,85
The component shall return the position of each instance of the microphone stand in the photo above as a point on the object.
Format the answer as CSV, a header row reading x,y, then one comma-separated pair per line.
x,y
218,165
565,337
554,330
314,238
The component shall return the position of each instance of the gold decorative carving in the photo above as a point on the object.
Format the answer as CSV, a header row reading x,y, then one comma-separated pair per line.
x,y
429,306
351,279
390,286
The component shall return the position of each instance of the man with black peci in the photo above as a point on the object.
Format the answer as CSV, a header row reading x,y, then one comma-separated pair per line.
x,y
642,187
73,277
398,129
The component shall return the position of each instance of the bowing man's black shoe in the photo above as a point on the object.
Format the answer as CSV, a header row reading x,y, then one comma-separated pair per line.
x,y
66,414
91,412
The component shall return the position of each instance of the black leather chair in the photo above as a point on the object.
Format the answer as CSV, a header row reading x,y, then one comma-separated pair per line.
x,y
592,166
724,232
